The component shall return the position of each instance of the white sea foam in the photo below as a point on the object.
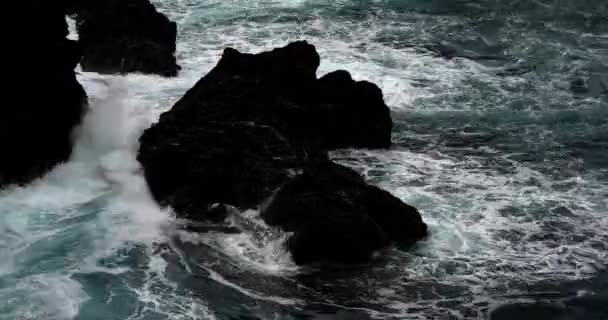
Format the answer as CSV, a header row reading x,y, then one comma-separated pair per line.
x,y
258,247
49,296
249,292
159,296
89,207
107,143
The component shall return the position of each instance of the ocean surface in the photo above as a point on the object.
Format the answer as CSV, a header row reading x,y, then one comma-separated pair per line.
x,y
500,140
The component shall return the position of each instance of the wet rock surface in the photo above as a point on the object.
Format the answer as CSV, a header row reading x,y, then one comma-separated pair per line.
x,y
256,131
45,101
125,36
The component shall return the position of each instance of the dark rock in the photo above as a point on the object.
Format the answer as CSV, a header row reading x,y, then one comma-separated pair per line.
x,y
241,131
356,116
123,36
279,89
190,165
254,124
44,101
217,212
336,216
533,311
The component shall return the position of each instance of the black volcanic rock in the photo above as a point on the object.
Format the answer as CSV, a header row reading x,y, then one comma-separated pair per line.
x,y
279,88
123,36
336,216
261,125
190,166
352,114
44,101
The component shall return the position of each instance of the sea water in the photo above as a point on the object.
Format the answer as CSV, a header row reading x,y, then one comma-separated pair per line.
x,y
500,140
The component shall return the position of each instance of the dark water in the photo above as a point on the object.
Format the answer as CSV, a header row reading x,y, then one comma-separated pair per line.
x,y
501,141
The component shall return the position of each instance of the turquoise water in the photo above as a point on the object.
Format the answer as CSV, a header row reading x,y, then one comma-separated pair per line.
x,y
503,148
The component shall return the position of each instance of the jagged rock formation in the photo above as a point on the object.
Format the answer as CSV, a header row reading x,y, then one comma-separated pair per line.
x,y
257,129
45,101
125,36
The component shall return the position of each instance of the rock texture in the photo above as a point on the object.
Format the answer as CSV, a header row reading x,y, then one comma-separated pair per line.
x,y
280,89
44,101
124,36
190,165
335,214
257,129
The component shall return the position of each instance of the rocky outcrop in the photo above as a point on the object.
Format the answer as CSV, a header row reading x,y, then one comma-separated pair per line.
x,y
192,164
257,129
280,89
44,101
124,36
336,216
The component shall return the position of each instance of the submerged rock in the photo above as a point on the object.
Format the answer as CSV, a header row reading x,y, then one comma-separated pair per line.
x,y
262,124
45,101
123,36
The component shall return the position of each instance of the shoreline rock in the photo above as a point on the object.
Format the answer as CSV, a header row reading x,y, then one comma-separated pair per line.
x,y
45,101
125,36
335,215
256,129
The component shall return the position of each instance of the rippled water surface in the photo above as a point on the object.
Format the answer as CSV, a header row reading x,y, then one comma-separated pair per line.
x,y
500,139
